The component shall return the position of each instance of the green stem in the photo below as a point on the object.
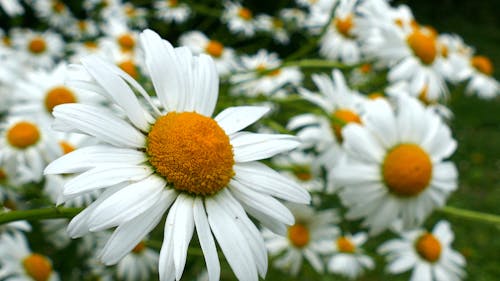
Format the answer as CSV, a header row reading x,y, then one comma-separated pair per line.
x,y
38,214
471,215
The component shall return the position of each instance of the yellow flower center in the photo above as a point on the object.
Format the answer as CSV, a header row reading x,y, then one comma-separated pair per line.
x,y
58,7
298,234
129,67
90,45
23,134
58,95
423,46
3,176
303,173
262,70
139,248
277,23
344,25
407,170
375,95
126,42
66,147
38,267
245,14
192,152
342,117
428,247
214,48
482,64
365,68
82,25
37,45
345,245
172,3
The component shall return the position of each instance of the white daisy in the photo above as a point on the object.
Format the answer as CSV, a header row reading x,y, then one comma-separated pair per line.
x,y
239,19
481,80
429,254
310,230
347,258
12,7
199,43
37,49
395,168
180,159
261,74
25,148
339,41
55,12
19,263
172,10
274,26
138,264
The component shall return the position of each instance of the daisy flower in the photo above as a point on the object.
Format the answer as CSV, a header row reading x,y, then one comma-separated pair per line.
x,y
346,257
274,26
395,168
138,264
261,74
36,49
239,19
202,170
55,12
429,255
12,7
199,43
120,35
25,148
310,230
81,29
172,10
481,80
41,91
19,263
339,41
293,16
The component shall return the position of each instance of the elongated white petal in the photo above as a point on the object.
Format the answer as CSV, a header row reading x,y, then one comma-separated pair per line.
x,y
234,119
206,85
265,203
104,176
206,239
99,123
261,178
231,240
166,262
91,156
127,203
249,146
182,233
117,90
129,234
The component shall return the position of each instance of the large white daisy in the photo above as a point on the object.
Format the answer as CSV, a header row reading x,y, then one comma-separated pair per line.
x,y
395,166
175,157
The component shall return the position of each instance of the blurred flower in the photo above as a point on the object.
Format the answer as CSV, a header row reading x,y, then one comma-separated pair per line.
x,y
138,264
172,10
239,19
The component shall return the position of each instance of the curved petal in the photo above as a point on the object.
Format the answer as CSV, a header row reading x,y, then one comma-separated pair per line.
x,y
250,146
206,239
234,119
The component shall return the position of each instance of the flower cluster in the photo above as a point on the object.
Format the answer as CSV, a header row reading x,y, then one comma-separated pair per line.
x,y
112,136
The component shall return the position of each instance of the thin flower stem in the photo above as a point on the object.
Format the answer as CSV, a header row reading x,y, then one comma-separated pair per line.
x,y
471,215
38,214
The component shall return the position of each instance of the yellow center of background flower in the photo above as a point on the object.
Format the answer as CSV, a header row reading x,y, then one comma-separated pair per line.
x,y
66,147
126,42
37,45
482,64
423,46
23,134
38,267
245,14
342,117
192,152
303,173
214,48
344,25
58,95
345,245
139,248
407,170
298,234
428,247
129,67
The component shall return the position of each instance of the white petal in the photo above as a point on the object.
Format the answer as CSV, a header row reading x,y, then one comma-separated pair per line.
x,y
360,143
91,156
182,232
205,89
99,123
129,234
118,90
234,119
127,203
261,178
206,239
232,241
249,146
